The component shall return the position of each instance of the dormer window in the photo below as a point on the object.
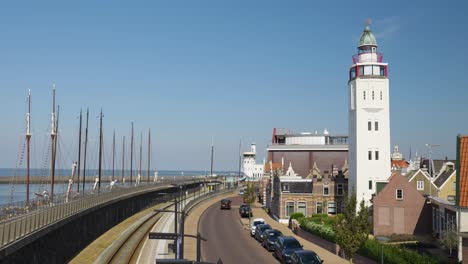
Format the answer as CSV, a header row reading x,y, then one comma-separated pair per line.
x,y
285,187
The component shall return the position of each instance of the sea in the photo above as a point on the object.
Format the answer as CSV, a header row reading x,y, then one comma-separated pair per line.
x,y
11,192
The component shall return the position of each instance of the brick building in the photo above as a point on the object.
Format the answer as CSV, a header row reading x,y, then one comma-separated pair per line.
x,y
400,209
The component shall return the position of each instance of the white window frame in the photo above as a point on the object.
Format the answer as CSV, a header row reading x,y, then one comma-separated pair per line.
x,y
285,187
396,194
305,207
286,207
420,185
328,188
328,207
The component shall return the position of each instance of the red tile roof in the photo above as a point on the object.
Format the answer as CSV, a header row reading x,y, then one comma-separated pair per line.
x,y
400,164
274,165
462,178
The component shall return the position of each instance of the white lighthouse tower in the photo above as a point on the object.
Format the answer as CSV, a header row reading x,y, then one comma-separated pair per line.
x,y
369,119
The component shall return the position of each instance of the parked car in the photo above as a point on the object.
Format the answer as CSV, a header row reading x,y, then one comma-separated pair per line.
x,y
285,247
245,211
255,223
259,231
225,204
270,236
305,257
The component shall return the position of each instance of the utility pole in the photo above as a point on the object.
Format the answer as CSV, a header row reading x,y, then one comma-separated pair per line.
x,y
141,153
240,161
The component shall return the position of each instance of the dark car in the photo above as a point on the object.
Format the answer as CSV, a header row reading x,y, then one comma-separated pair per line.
x,y
226,204
259,231
285,247
245,211
269,239
305,257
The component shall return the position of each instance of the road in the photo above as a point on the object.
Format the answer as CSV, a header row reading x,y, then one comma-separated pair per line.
x,y
227,239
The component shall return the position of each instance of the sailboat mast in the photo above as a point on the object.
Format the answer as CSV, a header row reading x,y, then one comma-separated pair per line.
x,y
149,154
212,152
113,156
100,152
85,149
28,140
79,152
141,151
131,156
123,159
53,137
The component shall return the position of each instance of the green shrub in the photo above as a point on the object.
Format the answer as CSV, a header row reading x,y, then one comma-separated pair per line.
x,y
296,215
393,254
320,230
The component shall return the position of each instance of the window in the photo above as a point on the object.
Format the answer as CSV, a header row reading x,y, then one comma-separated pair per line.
x,y
454,186
353,73
364,93
381,95
376,126
319,208
420,185
331,207
369,126
399,194
325,190
382,70
285,187
376,155
372,95
302,207
361,70
339,189
369,155
370,184
289,208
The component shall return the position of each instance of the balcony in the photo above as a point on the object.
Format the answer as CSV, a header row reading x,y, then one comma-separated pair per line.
x,y
367,57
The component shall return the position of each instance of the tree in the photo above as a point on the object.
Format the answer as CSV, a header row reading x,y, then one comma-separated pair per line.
x,y
450,238
249,196
353,227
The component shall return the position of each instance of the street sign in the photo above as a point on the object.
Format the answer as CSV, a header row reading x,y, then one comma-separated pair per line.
x,y
168,236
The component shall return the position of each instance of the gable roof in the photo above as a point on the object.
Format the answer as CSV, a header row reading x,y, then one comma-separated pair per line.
x,y
425,173
443,177
462,171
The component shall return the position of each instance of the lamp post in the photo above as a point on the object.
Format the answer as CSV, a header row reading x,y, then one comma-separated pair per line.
x,y
382,241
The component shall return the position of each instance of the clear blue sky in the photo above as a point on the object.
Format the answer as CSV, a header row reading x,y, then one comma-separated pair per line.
x,y
190,70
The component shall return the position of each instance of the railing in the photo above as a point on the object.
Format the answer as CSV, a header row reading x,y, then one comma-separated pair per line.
x,y
18,226
368,57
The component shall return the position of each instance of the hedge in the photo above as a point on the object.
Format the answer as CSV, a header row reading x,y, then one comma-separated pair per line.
x,y
371,248
296,215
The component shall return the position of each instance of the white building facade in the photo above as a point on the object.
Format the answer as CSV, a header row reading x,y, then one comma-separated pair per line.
x,y
250,168
369,119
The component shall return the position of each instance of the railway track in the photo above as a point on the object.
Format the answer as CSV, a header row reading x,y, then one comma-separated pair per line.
x,y
126,247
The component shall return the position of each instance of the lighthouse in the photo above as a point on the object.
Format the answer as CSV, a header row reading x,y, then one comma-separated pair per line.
x,y
369,120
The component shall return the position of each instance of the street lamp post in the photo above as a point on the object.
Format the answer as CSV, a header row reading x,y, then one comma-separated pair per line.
x,y
382,241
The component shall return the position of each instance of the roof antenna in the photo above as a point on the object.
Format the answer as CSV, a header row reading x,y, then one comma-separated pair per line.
x,y
368,21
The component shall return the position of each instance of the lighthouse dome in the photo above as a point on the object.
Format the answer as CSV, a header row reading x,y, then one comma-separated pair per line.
x,y
367,38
